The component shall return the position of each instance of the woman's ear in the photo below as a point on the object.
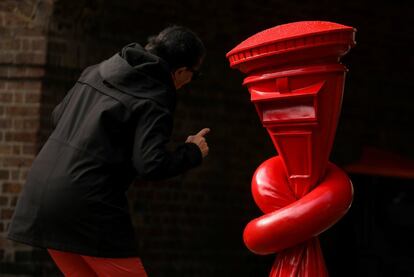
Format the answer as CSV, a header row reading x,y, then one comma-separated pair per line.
x,y
179,71
181,77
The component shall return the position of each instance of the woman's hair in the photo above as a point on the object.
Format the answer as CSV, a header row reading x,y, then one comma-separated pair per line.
x,y
178,46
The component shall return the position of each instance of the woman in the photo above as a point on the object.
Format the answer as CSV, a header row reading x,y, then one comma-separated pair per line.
x,y
111,127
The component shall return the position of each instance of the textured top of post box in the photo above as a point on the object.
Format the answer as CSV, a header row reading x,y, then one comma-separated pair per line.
x,y
291,36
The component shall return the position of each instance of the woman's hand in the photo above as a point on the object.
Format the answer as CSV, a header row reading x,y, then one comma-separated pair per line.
x,y
200,140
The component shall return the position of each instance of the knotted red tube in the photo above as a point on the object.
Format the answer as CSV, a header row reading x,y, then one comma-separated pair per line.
x,y
289,221
296,83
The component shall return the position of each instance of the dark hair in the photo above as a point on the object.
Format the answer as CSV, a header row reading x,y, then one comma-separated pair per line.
x,y
178,46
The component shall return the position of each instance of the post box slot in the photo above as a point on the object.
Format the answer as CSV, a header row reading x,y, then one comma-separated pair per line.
x,y
301,108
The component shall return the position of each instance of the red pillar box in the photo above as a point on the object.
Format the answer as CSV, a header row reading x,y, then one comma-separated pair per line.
x,y
296,83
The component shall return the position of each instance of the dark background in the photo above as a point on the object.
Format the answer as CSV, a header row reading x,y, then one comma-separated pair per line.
x,y
192,225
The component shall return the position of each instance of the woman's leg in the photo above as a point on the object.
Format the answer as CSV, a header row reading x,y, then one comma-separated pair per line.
x,y
116,267
71,265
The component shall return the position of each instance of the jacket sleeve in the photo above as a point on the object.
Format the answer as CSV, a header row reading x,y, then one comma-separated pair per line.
x,y
150,157
58,110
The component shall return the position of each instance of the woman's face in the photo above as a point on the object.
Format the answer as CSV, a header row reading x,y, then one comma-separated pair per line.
x,y
181,77
185,75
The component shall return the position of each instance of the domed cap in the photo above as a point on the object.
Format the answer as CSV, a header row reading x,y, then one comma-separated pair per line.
x,y
322,38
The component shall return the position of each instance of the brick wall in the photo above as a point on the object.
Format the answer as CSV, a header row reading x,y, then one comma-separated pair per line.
x,y
191,225
23,47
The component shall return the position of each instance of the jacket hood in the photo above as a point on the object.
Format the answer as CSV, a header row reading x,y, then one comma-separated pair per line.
x,y
141,74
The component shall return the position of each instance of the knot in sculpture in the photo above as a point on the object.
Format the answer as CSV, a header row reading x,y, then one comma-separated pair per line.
x,y
296,82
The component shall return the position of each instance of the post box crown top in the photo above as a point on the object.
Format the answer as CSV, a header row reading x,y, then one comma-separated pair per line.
x,y
291,37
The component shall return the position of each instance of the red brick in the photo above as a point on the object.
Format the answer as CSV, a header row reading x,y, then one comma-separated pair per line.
x,y
26,8
21,111
32,97
10,44
7,57
17,149
4,174
4,243
29,150
24,85
5,149
11,20
18,124
17,162
6,7
39,44
20,136
6,97
16,72
25,45
12,187
4,72
30,58
15,175
31,124
4,200
5,123
6,214
23,174
27,124
35,72
33,31
18,98
13,201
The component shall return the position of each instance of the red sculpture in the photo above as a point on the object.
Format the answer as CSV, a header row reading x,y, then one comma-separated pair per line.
x,y
296,83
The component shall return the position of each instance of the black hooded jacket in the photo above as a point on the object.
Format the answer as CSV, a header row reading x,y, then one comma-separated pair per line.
x,y
111,127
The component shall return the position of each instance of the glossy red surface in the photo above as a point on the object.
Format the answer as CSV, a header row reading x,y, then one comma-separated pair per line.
x,y
289,32
305,215
293,43
296,83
